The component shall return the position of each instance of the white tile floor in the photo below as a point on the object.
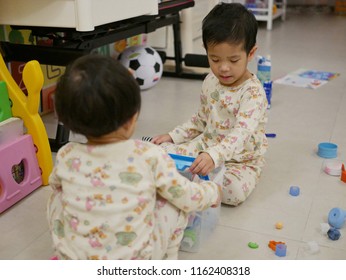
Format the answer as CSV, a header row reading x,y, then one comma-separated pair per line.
x,y
301,118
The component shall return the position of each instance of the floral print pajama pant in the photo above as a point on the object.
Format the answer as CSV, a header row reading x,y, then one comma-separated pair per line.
x,y
169,230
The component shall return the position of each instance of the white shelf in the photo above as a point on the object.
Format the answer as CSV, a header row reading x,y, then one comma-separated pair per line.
x,y
266,14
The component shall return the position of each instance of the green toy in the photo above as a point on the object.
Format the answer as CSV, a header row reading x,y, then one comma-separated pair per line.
x,y
5,103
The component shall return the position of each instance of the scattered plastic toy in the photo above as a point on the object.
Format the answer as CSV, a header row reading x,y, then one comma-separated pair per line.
x,y
336,217
271,135
280,250
327,150
332,167
312,247
253,245
272,244
324,228
334,234
294,190
343,173
279,225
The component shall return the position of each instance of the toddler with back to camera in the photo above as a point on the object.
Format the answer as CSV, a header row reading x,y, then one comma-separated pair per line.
x,y
115,197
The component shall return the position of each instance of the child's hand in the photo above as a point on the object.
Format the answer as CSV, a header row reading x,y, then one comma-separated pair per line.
x,y
202,165
161,139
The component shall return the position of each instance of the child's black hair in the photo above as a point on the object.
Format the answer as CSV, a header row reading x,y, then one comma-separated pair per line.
x,y
232,23
96,95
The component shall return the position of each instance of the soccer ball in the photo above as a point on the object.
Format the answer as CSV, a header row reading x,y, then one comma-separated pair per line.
x,y
144,63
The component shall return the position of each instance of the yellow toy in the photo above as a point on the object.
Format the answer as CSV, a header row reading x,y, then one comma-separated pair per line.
x,y
26,108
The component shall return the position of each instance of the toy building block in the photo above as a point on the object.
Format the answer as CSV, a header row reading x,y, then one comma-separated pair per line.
x,y
11,129
272,244
20,173
5,103
280,250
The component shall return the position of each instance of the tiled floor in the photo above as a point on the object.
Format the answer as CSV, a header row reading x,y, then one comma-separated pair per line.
x,y
300,117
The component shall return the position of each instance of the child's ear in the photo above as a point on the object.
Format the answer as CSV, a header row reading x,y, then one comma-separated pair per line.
x,y
132,121
252,53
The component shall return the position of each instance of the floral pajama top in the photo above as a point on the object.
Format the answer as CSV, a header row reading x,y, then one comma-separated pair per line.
x,y
230,120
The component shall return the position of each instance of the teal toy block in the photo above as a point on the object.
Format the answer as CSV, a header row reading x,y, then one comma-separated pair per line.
x,y
5,103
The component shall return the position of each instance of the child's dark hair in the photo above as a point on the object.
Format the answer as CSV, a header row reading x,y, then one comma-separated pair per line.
x,y
232,23
96,95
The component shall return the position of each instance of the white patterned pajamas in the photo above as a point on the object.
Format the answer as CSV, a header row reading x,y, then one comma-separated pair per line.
x,y
122,200
168,231
230,127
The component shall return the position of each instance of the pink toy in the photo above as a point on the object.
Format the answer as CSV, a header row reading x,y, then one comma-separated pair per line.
x,y
19,171
10,129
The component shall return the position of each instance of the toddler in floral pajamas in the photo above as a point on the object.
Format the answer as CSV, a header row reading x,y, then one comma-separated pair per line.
x,y
115,197
228,130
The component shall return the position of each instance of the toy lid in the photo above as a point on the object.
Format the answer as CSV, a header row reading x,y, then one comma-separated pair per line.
x,y
184,162
332,167
327,150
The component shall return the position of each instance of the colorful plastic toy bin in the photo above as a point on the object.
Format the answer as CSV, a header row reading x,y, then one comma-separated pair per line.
x,y
201,224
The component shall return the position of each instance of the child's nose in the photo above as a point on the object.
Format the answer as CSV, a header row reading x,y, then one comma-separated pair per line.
x,y
225,66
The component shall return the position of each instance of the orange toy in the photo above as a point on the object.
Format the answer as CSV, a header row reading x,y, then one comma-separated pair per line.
x,y
343,173
272,244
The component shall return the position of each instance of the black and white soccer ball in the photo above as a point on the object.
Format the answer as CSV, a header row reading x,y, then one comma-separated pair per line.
x,y
144,63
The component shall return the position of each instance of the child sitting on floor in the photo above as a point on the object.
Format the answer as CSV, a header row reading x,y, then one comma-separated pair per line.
x,y
229,127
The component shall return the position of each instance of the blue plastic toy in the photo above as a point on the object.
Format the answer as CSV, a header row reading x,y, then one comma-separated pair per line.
x,y
294,190
267,85
270,135
334,234
280,250
182,163
327,150
336,217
